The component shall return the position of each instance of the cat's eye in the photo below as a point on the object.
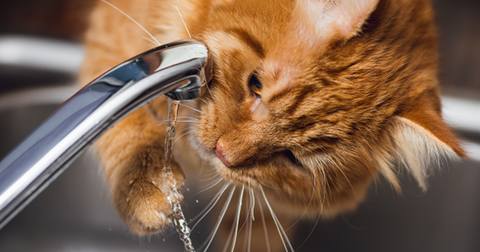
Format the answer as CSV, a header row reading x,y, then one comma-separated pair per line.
x,y
255,85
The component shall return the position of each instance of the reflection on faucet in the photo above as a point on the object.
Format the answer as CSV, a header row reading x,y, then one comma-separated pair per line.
x,y
180,69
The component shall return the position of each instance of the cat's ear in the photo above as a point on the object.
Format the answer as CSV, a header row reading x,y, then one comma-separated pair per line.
x,y
420,137
331,18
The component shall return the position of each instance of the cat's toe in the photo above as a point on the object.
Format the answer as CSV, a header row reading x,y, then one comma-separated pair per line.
x,y
139,183
144,207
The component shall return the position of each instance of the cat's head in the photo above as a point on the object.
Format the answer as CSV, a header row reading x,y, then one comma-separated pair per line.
x,y
312,99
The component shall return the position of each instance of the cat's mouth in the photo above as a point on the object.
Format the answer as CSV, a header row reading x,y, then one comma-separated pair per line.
x,y
281,170
283,175
261,171
218,150
290,157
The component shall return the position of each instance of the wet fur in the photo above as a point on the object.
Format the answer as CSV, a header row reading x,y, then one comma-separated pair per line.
x,y
349,93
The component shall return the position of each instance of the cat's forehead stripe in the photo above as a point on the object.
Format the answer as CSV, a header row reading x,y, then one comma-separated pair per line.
x,y
290,99
248,39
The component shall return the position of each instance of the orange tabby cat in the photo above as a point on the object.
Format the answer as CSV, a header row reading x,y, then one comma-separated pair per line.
x,y
311,100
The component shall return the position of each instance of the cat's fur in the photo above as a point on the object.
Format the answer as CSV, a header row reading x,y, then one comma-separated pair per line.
x,y
349,91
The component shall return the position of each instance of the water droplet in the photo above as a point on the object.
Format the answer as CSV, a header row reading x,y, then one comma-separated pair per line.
x,y
163,240
141,189
188,189
196,201
110,229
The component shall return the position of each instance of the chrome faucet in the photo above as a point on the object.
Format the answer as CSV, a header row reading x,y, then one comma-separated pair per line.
x,y
180,70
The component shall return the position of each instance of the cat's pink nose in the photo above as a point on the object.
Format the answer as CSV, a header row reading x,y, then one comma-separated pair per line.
x,y
219,152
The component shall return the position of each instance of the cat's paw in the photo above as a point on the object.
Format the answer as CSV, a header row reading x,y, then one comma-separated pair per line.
x,y
139,195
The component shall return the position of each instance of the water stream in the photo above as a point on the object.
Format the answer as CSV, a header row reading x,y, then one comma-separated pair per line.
x,y
172,193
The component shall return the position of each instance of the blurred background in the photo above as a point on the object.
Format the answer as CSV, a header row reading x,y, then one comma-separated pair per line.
x,y
75,214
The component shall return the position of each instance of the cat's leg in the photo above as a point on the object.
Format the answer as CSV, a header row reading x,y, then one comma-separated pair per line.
x,y
132,154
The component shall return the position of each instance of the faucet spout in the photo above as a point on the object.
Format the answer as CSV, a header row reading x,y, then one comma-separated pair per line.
x,y
181,70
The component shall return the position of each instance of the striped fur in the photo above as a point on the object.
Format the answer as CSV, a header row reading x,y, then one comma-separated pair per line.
x,y
349,93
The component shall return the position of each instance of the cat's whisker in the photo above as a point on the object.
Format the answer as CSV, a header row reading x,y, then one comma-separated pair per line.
x,y
250,227
183,21
194,143
311,231
212,176
252,216
248,208
230,235
186,121
252,200
248,211
189,117
202,169
281,231
239,210
325,181
184,134
150,40
264,225
324,191
319,214
247,223
178,121
210,205
210,186
269,186
186,129
190,107
341,170
191,138
211,94
203,100
314,188
285,8
325,188
133,20
220,218
320,165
